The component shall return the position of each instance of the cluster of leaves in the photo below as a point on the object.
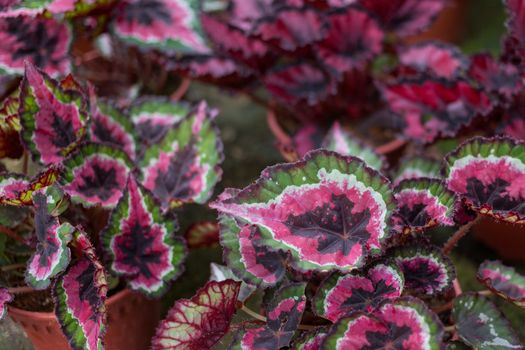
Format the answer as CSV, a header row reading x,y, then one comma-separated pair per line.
x,y
137,164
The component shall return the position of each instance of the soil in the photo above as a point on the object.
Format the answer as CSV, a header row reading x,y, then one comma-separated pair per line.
x,y
40,301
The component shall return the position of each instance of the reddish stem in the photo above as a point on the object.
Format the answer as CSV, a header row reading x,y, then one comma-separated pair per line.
x,y
10,233
181,90
276,128
391,146
460,233
20,290
457,287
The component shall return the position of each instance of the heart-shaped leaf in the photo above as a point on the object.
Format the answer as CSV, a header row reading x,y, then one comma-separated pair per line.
x,y
489,174
200,322
96,175
52,254
431,108
427,271
440,59
18,190
44,42
354,37
10,145
415,167
481,325
202,234
329,211
110,126
422,203
5,297
153,117
291,28
79,296
404,17
340,295
342,141
53,119
283,315
140,243
405,324
245,253
184,167
299,83
504,281
168,25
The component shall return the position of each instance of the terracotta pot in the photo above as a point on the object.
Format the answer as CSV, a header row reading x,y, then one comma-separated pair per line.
x,y
132,319
506,239
449,26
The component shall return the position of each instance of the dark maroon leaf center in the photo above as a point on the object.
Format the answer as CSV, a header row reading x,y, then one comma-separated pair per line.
x,y
104,134
102,184
362,299
176,182
271,260
415,216
146,12
43,223
32,41
494,195
64,132
333,224
136,249
151,132
392,339
87,289
421,276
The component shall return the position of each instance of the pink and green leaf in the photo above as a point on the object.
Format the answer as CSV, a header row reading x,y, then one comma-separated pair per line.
x,y
329,211
185,166
44,42
432,108
96,175
503,280
341,295
166,25
480,324
110,126
53,119
50,8
52,253
200,322
79,296
499,78
422,203
221,273
405,324
153,117
342,141
5,297
246,254
427,271
283,316
18,190
141,243
489,175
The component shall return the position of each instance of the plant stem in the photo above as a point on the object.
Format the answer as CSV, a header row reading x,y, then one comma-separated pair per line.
x,y
391,146
486,293
253,313
181,90
11,267
10,233
445,307
450,328
25,164
276,128
460,233
20,290
457,287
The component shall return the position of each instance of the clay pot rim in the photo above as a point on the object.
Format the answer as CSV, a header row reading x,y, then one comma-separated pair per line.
x,y
51,315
